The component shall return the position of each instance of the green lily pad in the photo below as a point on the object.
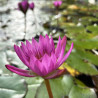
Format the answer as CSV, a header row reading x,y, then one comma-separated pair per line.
x,y
83,62
3,62
32,91
33,84
86,44
88,56
82,92
75,29
60,87
12,87
14,59
87,20
94,29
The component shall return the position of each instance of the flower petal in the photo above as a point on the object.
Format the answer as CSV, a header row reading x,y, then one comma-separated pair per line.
x,y
47,63
53,59
52,45
36,66
67,54
24,49
18,71
58,48
61,56
29,47
59,2
32,62
63,42
46,45
41,38
21,55
47,37
35,46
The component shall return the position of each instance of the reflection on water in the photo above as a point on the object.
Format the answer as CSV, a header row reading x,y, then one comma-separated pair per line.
x,y
12,20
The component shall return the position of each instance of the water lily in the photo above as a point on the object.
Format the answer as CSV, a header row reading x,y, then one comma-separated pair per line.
x,y
42,58
23,6
57,3
31,6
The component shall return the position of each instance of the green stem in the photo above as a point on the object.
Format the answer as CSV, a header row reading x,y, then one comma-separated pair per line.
x,y
48,88
25,27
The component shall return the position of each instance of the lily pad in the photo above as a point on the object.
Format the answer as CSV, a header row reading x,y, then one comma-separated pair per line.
x,y
3,61
81,92
86,44
60,87
12,87
14,59
83,62
33,84
94,29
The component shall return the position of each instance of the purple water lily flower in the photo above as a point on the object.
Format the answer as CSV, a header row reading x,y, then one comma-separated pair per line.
x,y
31,6
23,6
42,58
57,3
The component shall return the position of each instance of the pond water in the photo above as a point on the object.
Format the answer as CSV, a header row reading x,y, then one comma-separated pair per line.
x,y
12,20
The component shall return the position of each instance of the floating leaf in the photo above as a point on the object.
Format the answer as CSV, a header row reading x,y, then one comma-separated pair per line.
x,y
82,62
33,84
81,92
60,87
32,91
12,87
14,59
86,44
3,61
94,29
